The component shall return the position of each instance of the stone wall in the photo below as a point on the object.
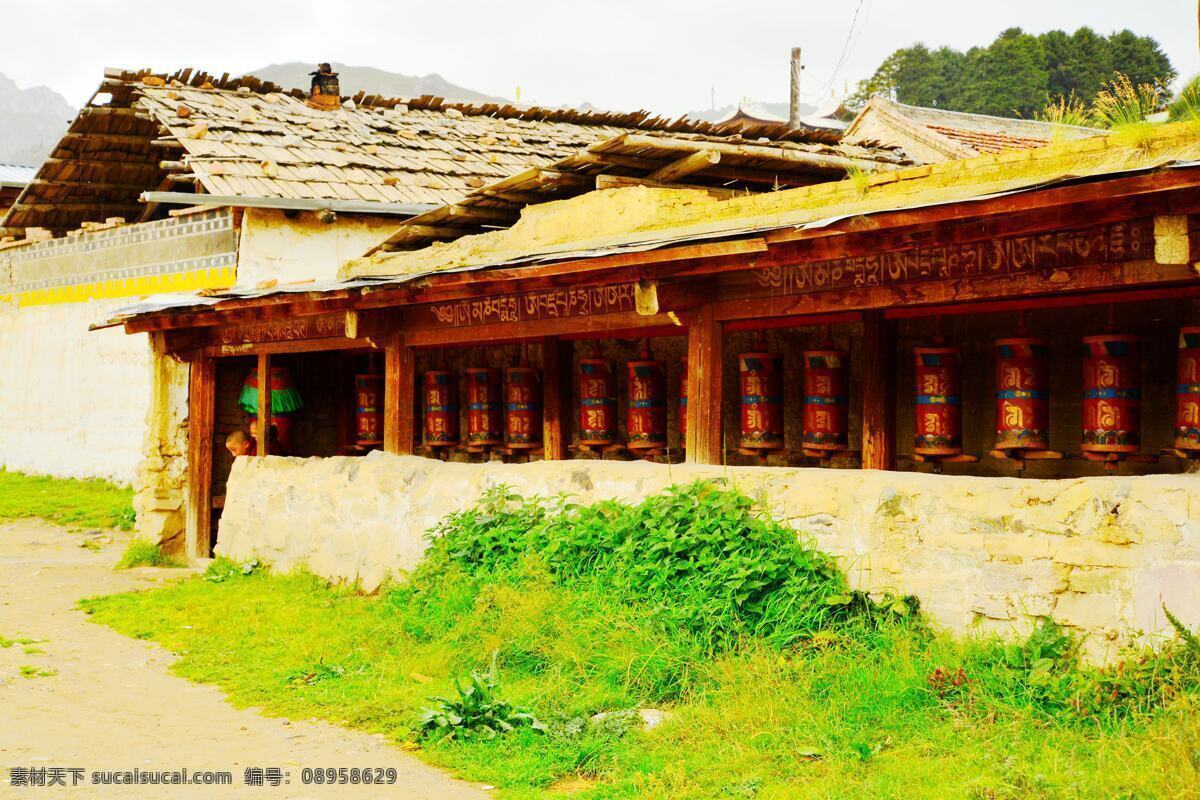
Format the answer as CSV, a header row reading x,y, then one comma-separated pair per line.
x,y
1099,555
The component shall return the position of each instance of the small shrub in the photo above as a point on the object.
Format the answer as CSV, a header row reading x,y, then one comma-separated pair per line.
x,y
477,711
222,569
143,553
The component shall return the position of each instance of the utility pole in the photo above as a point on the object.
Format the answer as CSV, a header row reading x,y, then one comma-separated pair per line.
x,y
794,107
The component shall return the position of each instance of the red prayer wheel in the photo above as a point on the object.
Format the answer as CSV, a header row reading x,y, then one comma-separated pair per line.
x,y
760,379
368,414
826,399
683,398
1112,395
440,393
522,407
646,415
1187,391
484,407
597,402
938,401
1022,394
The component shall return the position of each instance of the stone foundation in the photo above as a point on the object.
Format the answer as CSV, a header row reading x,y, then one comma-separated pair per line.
x,y
1098,555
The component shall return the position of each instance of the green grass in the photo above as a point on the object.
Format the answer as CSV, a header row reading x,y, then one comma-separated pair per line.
x,y
858,699
75,503
143,553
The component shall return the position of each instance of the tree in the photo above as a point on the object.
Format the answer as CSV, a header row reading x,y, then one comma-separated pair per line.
x,y
1017,73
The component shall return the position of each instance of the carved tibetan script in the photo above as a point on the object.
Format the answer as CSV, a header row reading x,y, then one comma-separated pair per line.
x,y
553,303
1120,241
284,330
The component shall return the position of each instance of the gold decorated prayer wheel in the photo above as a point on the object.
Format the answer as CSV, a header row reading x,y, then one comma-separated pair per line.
x,y
646,412
440,394
1022,394
1112,395
368,410
826,400
522,408
1187,392
760,380
485,405
938,401
597,403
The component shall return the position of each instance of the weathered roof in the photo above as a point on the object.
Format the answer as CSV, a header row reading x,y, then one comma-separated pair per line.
x,y
242,136
954,134
655,217
727,166
15,175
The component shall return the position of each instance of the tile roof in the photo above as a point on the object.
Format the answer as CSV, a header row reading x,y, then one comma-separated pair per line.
x,y
245,137
989,141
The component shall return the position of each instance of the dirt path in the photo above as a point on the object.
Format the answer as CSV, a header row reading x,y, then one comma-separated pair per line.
x,y
111,703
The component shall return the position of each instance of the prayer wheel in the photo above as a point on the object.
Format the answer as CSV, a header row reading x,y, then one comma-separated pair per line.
x,y
760,379
646,415
522,407
683,398
440,391
1187,397
368,412
285,401
1022,394
826,399
597,403
484,424
1112,395
938,401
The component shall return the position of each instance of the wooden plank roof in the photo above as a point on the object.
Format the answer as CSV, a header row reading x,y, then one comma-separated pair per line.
x,y
245,137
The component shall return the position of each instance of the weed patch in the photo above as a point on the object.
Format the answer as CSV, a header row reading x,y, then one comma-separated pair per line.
x,y
141,553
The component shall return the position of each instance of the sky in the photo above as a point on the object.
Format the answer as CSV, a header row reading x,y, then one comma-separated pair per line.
x,y
668,57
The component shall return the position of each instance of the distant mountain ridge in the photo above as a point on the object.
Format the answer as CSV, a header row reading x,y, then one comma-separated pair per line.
x,y
295,75
31,121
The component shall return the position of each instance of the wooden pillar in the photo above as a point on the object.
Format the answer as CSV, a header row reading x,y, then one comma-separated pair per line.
x,y
705,432
558,357
399,391
263,442
879,392
201,419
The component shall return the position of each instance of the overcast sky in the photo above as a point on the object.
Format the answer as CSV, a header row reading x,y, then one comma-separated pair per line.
x,y
620,54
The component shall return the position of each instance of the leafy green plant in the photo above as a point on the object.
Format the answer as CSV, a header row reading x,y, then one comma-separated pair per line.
x,y
143,553
222,569
476,711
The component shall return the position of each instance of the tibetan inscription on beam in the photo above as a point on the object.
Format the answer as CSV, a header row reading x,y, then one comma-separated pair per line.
x,y
285,329
1120,241
550,304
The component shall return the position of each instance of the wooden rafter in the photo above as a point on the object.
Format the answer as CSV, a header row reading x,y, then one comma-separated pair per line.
x,y
693,162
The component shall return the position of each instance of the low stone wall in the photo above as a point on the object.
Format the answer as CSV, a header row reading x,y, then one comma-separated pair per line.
x,y
1100,555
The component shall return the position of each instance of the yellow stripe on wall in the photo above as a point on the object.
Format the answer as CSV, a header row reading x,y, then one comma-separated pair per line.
x,y
189,281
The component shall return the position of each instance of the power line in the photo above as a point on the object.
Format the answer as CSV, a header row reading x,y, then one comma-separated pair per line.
x,y
846,47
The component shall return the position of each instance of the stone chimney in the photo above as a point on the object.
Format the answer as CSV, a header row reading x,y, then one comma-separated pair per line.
x,y
325,92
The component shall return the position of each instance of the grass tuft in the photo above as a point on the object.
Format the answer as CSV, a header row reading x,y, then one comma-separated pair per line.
x,y
143,553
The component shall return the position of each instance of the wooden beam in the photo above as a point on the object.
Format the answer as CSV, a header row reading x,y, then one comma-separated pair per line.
x,y
695,162
705,432
201,422
605,181
764,152
558,356
123,138
398,392
878,392
264,404
484,214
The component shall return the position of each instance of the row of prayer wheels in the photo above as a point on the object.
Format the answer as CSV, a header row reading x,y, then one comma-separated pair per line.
x,y
504,409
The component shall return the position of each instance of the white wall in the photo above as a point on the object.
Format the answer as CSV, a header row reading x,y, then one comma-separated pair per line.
x,y
72,403
275,247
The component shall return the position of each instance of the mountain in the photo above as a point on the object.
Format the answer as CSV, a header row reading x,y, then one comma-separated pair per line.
x,y
31,121
295,75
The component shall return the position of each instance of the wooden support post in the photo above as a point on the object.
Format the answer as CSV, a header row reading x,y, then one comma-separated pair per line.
x,y
263,440
879,392
398,396
705,432
558,357
201,418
